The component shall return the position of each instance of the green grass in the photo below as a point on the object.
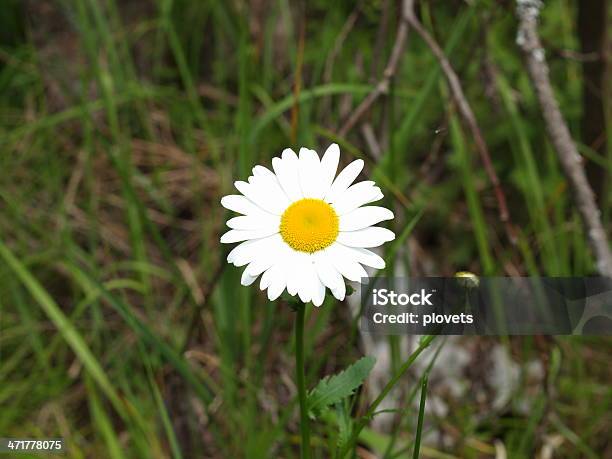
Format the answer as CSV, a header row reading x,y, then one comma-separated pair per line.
x,y
123,331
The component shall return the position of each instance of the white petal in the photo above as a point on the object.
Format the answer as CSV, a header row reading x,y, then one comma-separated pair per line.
x,y
265,192
368,237
330,276
262,171
344,180
357,195
292,289
244,235
329,166
247,251
295,261
271,184
304,292
271,256
316,289
363,217
242,205
310,173
327,274
305,286
278,282
339,292
246,279
318,293
367,257
249,222
259,265
266,278
344,261
286,170
289,155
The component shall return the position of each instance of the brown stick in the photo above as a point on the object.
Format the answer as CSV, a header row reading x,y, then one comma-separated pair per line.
x,y
382,87
297,84
592,21
466,113
528,12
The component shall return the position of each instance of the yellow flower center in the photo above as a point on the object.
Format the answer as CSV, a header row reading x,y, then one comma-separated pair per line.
x,y
309,225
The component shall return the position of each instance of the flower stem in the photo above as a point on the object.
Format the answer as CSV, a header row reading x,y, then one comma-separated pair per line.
x,y
301,380
359,425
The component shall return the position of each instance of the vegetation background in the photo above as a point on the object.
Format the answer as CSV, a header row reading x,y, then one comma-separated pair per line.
x,y
122,123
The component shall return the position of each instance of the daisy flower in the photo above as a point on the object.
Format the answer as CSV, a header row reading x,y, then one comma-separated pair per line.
x,y
303,228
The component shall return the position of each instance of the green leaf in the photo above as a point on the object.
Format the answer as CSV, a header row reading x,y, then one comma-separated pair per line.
x,y
343,420
333,389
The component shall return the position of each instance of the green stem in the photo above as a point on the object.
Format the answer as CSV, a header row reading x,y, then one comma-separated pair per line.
x,y
301,380
425,342
419,432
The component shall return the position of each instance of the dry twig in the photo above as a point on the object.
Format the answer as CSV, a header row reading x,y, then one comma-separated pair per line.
x,y
338,43
382,87
528,12
466,113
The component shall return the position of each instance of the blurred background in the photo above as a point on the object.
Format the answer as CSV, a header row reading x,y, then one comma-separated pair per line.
x,y
122,123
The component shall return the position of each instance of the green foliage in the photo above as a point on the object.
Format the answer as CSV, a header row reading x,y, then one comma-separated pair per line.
x,y
344,423
333,389
123,123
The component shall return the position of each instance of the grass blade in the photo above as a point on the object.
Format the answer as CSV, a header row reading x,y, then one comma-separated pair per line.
x,y
419,432
65,327
177,361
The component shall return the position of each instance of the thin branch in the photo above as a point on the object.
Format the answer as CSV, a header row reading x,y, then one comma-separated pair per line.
x,y
466,113
297,83
339,43
528,12
195,320
370,137
382,87
381,34
325,109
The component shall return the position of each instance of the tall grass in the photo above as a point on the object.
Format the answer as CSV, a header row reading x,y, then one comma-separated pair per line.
x,y
122,126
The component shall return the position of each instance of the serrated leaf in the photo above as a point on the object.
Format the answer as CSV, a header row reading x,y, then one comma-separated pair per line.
x,y
333,389
344,423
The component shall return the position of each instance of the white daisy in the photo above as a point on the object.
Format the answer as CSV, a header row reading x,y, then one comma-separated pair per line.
x,y
304,229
